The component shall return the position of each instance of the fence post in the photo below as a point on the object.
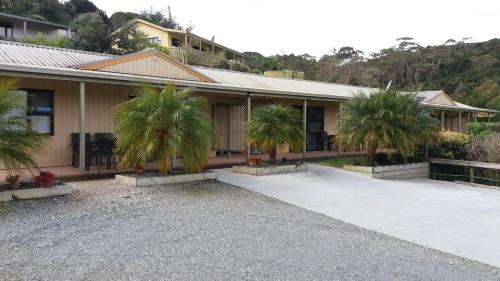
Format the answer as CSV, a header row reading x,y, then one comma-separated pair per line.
x,y
471,174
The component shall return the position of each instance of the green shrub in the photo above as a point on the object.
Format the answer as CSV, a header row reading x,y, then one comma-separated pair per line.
x,y
479,129
450,145
40,39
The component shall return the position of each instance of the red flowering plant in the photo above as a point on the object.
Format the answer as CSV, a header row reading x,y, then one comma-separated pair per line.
x,y
139,168
13,181
45,179
255,161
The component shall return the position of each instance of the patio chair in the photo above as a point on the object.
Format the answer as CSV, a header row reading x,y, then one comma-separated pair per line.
x,y
105,148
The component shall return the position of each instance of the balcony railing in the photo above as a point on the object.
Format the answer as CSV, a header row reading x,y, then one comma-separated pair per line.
x,y
201,58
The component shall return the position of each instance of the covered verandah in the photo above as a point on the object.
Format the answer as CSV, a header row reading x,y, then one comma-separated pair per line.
x,y
86,106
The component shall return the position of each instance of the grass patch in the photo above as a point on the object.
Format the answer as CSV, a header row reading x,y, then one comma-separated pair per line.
x,y
338,162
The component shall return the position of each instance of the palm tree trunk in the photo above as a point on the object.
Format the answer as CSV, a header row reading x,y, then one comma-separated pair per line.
x,y
166,164
371,154
272,155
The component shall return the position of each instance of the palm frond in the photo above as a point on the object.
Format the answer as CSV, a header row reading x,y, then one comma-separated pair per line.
x,y
162,124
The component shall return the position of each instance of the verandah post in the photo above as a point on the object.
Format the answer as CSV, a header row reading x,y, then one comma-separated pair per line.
x,y
82,160
249,112
304,127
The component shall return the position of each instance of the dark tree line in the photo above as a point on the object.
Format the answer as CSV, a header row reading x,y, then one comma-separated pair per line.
x,y
470,72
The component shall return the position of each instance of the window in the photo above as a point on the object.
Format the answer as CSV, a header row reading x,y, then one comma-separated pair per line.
x,y
156,40
6,29
40,104
176,42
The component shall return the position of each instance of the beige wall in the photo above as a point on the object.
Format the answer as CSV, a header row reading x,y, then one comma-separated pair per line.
x,y
155,32
100,99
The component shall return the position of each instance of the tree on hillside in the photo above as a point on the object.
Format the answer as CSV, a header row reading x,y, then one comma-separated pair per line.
x,y
129,39
91,33
159,17
120,19
49,10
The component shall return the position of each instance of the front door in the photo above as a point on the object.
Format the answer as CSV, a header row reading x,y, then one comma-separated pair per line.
x,y
315,127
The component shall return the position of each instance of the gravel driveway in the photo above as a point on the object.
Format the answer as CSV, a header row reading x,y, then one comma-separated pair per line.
x,y
203,231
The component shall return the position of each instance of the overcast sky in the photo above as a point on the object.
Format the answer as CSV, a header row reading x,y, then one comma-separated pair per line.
x,y
316,27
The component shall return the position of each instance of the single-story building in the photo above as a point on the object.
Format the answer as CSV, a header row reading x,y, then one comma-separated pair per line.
x,y
71,91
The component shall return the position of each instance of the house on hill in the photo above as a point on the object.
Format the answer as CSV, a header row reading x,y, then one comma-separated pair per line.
x,y
13,27
187,46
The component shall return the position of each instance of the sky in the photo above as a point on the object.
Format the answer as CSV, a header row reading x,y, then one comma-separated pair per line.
x,y
316,27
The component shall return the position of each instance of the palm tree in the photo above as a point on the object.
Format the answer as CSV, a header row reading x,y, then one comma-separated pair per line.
x,y
271,126
18,143
388,119
163,124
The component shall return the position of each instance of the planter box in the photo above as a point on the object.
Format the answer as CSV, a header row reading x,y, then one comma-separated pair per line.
x,y
393,172
38,192
270,170
157,180
5,196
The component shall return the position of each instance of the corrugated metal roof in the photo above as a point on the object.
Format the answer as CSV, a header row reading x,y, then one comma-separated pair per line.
x,y
428,95
36,55
233,78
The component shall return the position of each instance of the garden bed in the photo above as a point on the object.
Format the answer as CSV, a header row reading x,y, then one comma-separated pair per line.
x,y
30,190
393,172
270,169
150,179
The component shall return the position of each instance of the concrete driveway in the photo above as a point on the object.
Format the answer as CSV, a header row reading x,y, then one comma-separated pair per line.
x,y
453,218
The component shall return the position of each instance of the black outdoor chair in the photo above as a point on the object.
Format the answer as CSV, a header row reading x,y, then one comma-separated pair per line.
x,y
75,143
105,148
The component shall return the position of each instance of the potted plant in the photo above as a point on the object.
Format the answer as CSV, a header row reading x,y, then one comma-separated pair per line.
x,y
13,181
45,179
160,125
274,125
392,120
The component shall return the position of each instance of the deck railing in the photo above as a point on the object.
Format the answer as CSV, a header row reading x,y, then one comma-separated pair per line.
x,y
471,165
202,58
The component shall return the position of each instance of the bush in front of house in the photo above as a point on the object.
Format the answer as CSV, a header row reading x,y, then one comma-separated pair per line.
x,y
158,125
386,119
274,125
450,145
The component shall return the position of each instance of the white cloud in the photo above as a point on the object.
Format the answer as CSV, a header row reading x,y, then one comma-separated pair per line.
x,y
316,26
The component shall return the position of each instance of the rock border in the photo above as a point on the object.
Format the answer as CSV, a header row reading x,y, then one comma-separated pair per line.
x,y
171,179
270,170
37,192
393,172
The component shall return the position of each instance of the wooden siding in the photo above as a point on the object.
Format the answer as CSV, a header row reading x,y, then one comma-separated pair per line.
x,y
442,99
152,66
100,99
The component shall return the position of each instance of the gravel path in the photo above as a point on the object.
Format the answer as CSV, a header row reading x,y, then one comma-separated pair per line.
x,y
202,231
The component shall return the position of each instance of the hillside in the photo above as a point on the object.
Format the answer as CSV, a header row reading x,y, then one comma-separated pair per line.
x,y
470,72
